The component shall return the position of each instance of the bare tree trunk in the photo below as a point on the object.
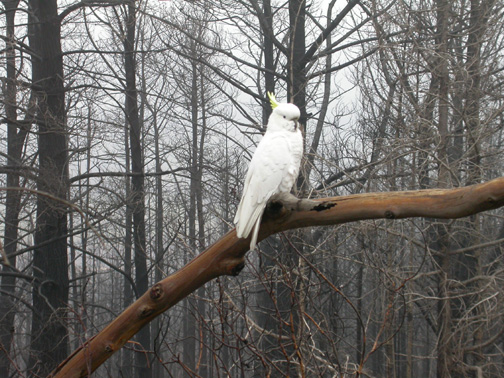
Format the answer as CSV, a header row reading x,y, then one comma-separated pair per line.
x,y
478,20
196,329
388,313
269,64
445,321
297,49
471,262
359,286
79,296
224,308
7,303
49,342
190,328
15,140
159,268
127,356
324,106
296,84
204,352
137,182
409,325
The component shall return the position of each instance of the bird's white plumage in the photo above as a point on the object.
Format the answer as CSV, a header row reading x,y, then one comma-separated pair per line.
x,y
273,169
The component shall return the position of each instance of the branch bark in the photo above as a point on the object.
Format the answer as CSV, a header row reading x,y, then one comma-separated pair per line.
x,y
226,256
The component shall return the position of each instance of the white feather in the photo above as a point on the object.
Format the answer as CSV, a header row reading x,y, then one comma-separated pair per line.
x,y
273,169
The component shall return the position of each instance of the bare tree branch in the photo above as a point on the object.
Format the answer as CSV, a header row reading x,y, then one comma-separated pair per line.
x,y
226,256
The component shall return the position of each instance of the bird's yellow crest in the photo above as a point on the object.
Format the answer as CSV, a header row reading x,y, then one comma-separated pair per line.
x,y
274,103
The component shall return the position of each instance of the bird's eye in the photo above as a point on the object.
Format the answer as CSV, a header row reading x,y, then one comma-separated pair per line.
x,y
284,117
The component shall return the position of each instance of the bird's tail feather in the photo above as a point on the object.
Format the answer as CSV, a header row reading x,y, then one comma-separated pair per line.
x,y
253,240
245,220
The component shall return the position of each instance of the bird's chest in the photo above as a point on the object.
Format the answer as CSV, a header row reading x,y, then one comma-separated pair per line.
x,y
294,144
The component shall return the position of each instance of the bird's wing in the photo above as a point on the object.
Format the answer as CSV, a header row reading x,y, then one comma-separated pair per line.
x,y
269,165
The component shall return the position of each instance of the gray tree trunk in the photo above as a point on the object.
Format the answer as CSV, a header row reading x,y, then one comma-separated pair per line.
x,y
15,141
49,342
137,183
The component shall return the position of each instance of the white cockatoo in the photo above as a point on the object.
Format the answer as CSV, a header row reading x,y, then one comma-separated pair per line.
x,y
273,168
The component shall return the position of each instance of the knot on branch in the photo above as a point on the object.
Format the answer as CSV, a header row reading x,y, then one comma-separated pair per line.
x,y
321,206
282,204
494,202
146,311
389,214
156,292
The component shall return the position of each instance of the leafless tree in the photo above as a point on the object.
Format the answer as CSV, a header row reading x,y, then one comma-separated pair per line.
x,y
159,108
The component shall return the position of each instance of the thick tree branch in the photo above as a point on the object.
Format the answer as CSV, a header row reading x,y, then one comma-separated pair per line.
x,y
226,256
89,3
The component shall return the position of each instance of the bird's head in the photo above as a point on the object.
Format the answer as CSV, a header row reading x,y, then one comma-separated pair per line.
x,y
285,116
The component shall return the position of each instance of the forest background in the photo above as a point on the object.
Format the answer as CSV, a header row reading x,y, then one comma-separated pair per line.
x,y
127,127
